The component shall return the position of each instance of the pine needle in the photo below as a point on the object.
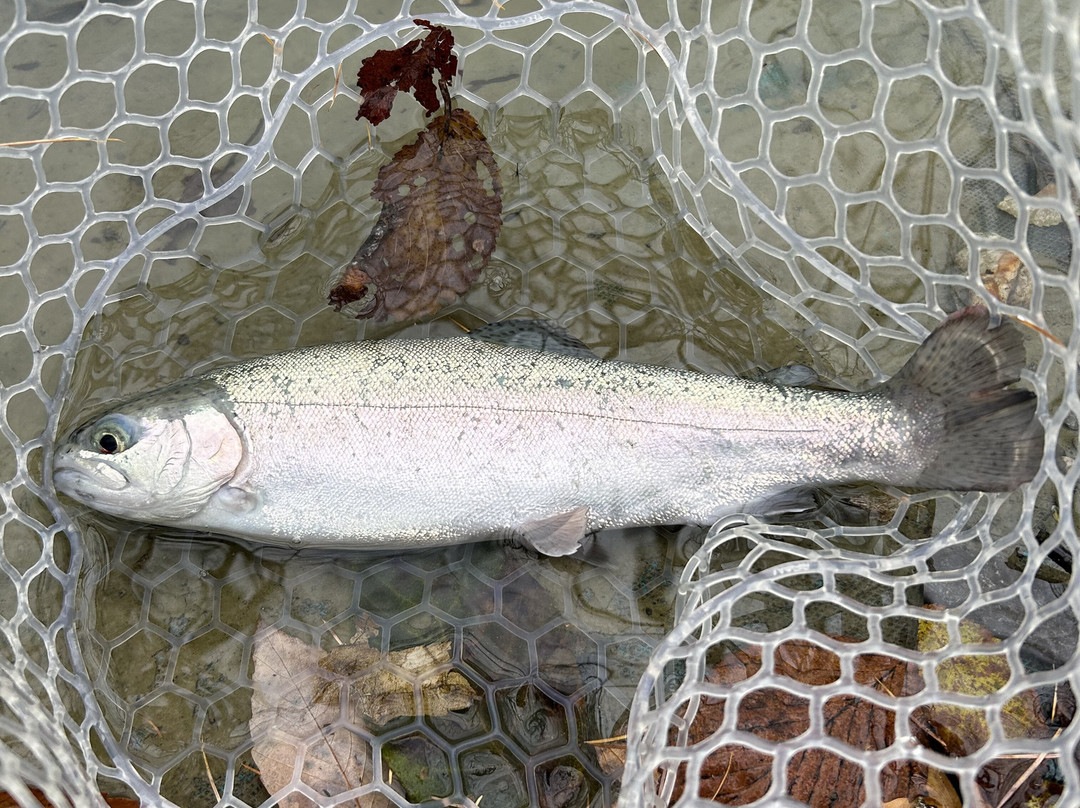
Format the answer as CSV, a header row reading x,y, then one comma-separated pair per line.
x,y
615,739
337,83
1039,329
71,139
210,774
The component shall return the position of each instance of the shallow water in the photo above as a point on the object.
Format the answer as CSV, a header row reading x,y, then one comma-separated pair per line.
x,y
594,236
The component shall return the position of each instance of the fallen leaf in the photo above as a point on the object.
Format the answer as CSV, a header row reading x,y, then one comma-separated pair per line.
x,y
410,68
304,700
1037,714
737,775
561,786
1039,217
441,215
293,703
1005,276
611,756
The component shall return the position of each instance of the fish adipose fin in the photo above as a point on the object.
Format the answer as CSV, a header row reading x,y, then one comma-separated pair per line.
x,y
989,437
557,535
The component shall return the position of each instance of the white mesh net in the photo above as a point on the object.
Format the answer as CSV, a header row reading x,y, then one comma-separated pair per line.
x,y
718,185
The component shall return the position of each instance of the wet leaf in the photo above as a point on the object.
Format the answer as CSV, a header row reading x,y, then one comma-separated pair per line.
x,y
304,700
737,775
410,68
293,703
441,215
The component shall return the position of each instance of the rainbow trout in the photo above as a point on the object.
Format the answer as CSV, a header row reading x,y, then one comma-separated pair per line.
x,y
411,443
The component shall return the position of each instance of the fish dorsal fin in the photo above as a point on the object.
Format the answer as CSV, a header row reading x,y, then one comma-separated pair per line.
x,y
539,335
557,535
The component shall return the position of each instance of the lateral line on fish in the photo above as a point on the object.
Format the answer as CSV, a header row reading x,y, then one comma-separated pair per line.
x,y
594,416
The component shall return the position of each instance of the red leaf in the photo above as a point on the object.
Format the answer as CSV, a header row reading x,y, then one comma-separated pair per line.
x,y
410,68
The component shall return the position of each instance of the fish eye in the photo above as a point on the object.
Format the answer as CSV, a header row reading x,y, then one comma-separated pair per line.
x,y
110,436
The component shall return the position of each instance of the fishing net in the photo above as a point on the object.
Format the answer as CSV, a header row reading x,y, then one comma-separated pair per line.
x,y
727,186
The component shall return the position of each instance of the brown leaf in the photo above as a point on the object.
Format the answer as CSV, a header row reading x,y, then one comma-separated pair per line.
x,y
1015,782
297,697
773,714
293,702
736,775
823,779
408,68
441,215
807,663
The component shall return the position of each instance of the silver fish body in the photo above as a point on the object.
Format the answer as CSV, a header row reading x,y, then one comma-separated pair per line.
x,y
402,443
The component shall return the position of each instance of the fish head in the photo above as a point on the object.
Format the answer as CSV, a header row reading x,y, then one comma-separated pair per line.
x,y
159,458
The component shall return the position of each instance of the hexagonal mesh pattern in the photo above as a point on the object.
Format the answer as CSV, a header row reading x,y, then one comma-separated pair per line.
x,y
719,185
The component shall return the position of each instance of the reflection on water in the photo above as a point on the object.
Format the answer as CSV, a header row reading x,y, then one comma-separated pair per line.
x,y
550,651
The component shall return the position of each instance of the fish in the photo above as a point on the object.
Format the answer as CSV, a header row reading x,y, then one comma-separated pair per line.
x,y
519,431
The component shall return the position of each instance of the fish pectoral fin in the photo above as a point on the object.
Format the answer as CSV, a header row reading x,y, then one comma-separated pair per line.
x,y
791,501
557,535
235,500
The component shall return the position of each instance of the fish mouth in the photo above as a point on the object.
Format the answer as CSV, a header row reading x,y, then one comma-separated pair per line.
x,y
80,480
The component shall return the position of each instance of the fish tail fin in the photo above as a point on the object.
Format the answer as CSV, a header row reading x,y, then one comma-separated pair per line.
x,y
989,438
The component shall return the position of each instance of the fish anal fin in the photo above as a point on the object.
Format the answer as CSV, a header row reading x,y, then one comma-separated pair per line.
x,y
557,535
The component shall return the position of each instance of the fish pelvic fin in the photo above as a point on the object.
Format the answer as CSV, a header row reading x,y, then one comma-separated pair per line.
x,y
557,535
988,435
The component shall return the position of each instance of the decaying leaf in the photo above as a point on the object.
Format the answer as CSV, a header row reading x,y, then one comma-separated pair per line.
x,y
293,702
1003,274
1039,217
959,731
381,696
304,701
441,215
735,774
410,68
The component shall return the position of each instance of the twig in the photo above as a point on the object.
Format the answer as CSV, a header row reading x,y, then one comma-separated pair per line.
x,y
884,686
1020,780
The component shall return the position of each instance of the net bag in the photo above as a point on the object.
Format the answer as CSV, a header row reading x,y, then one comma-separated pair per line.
x,y
726,186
